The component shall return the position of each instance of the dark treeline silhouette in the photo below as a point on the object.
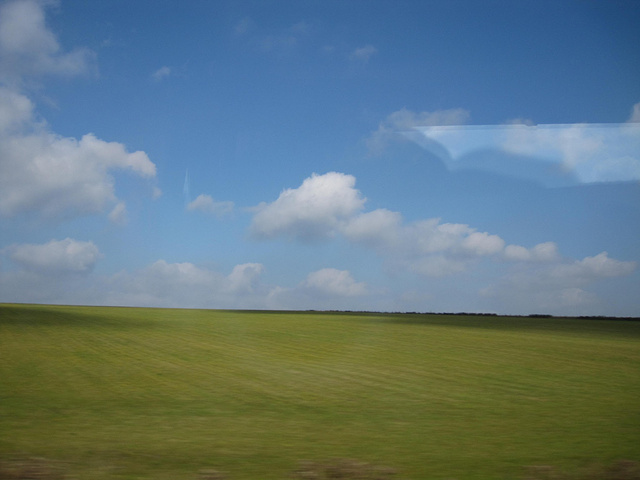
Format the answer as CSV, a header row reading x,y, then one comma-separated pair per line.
x,y
479,314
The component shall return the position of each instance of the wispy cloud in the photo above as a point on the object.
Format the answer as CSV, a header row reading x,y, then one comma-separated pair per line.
x,y
243,26
119,214
635,114
161,73
363,54
559,287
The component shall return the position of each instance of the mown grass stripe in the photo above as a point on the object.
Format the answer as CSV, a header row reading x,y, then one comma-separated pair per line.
x,y
152,393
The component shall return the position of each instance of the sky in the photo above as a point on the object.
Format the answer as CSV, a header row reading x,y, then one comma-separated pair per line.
x,y
430,156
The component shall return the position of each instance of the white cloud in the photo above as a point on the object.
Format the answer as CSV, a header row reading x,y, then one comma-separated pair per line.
x,y
431,248
556,286
327,205
187,285
404,119
543,252
591,268
119,214
481,244
56,256
377,229
635,114
57,176
431,236
161,73
51,273
326,289
16,111
41,172
243,26
28,47
402,124
164,284
310,212
52,175
331,281
523,299
206,204
434,265
363,54
243,278
281,43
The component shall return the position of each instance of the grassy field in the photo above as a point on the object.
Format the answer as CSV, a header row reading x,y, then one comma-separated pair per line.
x,y
161,394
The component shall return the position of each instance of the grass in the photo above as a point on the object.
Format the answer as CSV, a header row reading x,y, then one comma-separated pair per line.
x,y
164,394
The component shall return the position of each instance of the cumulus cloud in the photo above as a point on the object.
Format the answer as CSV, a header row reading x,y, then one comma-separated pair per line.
x,y
431,248
56,256
310,212
591,268
328,205
57,273
244,278
543,252
403,124
16,111
59,176
206,204
28,47
328,289
377,229
426,247
42,172
52,175
188,285
164,284
334,282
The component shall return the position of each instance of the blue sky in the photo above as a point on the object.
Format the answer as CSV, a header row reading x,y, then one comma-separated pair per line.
x,y
401,156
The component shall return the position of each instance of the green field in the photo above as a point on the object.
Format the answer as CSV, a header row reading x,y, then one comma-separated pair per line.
x,y
161,394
